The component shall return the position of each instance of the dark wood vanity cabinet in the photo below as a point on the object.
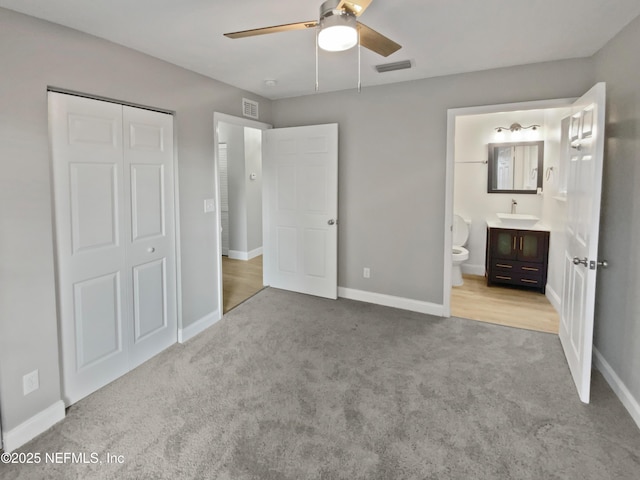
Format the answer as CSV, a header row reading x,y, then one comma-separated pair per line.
x,y
517,257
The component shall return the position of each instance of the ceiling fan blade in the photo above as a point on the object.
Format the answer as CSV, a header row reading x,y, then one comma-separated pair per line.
x,y
276,28
377,42
356,6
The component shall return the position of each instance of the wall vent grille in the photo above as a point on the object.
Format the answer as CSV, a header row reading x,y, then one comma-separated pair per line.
x,y
250,108
390,67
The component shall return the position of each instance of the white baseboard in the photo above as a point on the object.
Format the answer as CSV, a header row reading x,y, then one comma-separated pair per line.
x,y
28,430
473,269
553,298
391,301
618,386
198,326
240,255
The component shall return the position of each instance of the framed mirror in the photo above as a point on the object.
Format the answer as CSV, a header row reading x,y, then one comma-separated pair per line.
x,y
515,167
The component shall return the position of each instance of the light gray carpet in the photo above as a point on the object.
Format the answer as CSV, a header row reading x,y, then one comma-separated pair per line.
x,y
289,386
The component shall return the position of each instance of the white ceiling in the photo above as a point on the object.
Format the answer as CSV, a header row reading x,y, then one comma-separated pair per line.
x,y
440,37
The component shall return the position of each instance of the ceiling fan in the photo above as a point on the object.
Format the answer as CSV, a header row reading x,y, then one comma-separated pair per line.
x,y
338,28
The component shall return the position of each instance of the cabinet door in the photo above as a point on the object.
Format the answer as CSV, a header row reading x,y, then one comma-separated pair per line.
x,y
504,243
532,246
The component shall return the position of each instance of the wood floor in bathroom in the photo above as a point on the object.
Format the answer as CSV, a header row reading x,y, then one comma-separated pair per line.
x,y
507,306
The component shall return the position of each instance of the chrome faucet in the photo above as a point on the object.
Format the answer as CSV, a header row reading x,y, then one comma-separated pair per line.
x,y
514,204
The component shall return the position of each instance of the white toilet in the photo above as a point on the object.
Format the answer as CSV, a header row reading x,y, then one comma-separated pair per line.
x,y
459,253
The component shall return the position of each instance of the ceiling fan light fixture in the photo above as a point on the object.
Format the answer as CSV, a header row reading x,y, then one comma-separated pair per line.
x,y
338,31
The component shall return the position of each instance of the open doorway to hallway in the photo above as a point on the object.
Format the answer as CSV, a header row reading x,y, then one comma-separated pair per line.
x,y
239,165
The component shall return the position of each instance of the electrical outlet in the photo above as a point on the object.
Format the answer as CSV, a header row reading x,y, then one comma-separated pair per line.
x,y
366,272
30,382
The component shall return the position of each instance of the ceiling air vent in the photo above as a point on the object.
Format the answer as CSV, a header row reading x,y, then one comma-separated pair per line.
x,y
250,108
390,67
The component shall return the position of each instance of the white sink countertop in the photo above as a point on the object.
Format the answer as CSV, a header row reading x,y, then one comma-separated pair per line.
x,y
495,223
518,218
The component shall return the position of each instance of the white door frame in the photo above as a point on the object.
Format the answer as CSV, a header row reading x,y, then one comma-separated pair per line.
x,y
242,122
452,114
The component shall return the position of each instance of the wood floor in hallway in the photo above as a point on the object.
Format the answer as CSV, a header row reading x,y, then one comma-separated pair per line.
x,y
240,280
512,307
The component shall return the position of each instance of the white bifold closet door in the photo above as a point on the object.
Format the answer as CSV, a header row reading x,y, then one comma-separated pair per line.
x,y
115,238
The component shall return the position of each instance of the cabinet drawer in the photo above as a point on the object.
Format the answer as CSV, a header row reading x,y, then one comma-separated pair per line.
x,y
513,278
515,267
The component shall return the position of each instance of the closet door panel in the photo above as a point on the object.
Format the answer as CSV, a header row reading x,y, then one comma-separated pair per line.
x,y
149,299
86,142
150,250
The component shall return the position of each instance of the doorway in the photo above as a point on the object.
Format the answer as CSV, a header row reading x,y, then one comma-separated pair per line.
x,y
238,150
470,130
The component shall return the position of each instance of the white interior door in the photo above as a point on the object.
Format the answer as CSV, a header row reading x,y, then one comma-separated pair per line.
x,y
300,199
580,260
113,195
150,243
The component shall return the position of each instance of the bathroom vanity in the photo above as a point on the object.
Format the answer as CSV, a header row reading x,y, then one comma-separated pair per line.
x,y
517,256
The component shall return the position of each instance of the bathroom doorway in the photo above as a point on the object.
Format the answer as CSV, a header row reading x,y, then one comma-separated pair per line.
x,y
238,147
470,130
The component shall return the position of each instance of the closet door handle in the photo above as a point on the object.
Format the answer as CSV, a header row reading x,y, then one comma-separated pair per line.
x,y
514,242
521,239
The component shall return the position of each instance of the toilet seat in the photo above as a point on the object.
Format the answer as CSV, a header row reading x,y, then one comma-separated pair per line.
x,y
459,254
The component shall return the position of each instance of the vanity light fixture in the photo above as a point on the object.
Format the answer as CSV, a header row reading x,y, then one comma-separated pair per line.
x,y
516,127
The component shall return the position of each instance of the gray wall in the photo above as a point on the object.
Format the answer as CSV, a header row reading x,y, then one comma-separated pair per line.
x,y
392,149
617,329
36,54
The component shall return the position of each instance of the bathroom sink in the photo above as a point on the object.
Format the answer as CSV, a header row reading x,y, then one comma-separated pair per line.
x,y
517,219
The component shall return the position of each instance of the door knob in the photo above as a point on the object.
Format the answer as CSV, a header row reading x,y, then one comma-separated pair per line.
x,y
151,249
577,261
331,222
